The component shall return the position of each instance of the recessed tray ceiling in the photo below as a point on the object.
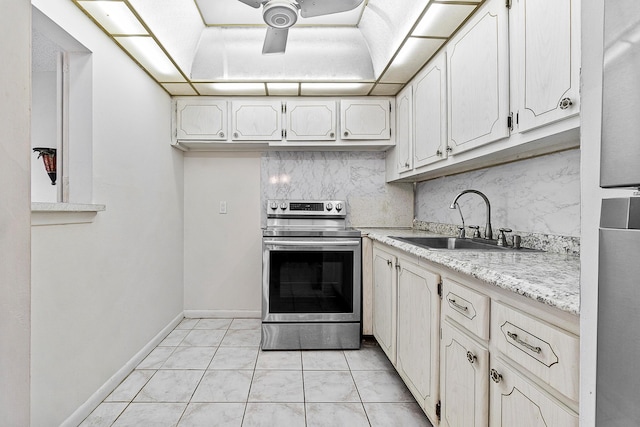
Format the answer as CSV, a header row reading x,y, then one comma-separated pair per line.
x,y
214,47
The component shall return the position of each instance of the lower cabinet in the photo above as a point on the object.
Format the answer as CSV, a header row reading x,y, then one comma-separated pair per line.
x,y
418,333
470,354
384,301
516,401
464,379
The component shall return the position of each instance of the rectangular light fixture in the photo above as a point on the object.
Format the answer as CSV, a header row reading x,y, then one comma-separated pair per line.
x,y
387,89
283,89
411,57
115,17
441,20
257,89
179,88
333,89
147,52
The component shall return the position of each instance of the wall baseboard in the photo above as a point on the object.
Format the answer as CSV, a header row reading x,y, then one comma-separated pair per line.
x,y
96,398
222,314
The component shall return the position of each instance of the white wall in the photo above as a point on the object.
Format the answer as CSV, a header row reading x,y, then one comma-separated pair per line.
x,y
223,252
101,291
539,195
15,31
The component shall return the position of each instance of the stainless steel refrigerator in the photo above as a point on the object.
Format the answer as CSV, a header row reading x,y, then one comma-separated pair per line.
x,y
618,358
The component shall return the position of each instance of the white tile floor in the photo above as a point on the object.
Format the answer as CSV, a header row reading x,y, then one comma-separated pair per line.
x,y
211,372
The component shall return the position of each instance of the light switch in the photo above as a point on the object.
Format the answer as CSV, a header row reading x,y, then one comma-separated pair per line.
x,y
223,207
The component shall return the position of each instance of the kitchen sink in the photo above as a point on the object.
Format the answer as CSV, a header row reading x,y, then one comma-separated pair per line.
x,y
452,243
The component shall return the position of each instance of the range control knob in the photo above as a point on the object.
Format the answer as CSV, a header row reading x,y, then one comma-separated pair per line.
x,y
273,206
283,206
338,207
329,206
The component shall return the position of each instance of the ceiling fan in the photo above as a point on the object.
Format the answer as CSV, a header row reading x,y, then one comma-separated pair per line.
x,y
280,15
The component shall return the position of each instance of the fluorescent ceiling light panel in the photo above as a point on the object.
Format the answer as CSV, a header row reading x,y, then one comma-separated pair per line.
x,y
115,17
283,89
388,89
411,57
179,88
147,52
320,89
441,20
227,89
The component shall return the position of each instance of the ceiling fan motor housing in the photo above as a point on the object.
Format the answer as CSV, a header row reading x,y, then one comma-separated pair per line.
x,y
280,13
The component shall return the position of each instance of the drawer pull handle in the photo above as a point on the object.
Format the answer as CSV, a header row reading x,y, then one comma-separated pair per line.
x,y
471,357
528,346
495,376
458,306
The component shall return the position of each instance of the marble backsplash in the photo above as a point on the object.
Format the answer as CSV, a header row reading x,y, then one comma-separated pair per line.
x,y
538,196
356,177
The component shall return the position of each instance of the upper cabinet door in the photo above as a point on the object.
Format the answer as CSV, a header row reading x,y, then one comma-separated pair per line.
x,y
404,130
365,119
256,120
478,79
311,120
430,113
546,56
201,119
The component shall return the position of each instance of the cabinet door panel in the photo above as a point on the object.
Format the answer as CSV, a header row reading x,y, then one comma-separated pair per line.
x,y
418,333
256,120
201,119
517,402
404,130
478,79
311,120
546,48
384,302
464,379
365,119
430,114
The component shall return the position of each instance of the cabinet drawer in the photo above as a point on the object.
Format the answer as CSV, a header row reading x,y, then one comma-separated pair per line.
x,y
467,307
548,352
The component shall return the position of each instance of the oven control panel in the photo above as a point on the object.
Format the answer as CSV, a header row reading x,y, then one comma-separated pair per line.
x,y
302,208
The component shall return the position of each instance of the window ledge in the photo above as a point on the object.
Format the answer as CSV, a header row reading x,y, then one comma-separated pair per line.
x,y
43,213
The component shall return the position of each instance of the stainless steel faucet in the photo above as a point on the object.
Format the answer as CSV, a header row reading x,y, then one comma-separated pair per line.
x,y
488,232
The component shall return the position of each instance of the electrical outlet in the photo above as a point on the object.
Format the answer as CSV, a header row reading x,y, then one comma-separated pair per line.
x,y
223,207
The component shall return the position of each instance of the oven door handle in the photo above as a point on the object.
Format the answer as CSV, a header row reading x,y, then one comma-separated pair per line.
x,y
312,242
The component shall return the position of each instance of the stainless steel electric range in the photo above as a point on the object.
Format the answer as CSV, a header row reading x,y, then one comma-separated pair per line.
x,y
311,277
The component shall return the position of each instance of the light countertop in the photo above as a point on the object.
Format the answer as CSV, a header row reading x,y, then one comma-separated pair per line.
x,y
551,278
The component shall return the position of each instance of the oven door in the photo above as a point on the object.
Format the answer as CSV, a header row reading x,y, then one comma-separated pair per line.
x,y
309,279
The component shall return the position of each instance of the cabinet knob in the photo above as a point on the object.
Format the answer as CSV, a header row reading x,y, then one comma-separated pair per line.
x,y
235,134
495,376
332,135
221,134
346,133
471,357
406,165
449,149
439,153
389,263
565,103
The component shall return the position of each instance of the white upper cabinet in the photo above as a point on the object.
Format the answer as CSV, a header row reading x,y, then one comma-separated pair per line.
x,y
311,120
545,58
404,130
201,119
430,113
256,120
478,79
365,119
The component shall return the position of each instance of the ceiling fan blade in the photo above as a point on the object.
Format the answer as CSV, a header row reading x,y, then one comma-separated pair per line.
x,y
310,8
275,41
253,3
